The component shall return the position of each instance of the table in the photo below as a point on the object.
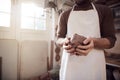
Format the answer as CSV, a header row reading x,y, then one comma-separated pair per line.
x,y
113,68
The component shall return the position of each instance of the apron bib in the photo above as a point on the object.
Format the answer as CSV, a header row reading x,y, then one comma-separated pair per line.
x,y
92,66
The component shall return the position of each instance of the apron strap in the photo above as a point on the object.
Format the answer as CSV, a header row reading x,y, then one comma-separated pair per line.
x,y
93,6
73,7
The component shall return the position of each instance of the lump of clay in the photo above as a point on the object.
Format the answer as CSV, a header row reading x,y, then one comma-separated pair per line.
x,y
77,40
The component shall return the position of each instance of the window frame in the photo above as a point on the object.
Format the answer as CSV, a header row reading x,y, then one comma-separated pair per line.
x,y
15,21
32,30
4,28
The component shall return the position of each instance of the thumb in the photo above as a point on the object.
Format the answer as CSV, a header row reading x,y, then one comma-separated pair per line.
x,y
87,41
67,40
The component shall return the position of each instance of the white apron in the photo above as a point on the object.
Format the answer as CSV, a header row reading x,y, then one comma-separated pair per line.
x,y
92,66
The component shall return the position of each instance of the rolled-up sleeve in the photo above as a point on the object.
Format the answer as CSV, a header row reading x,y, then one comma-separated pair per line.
x,y
62,26
107,29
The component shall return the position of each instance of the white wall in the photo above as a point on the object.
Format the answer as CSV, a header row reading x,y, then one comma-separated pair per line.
x,y
23,61
33,59
9,54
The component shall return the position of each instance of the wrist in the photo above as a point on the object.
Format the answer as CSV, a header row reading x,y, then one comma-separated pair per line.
x,y
101,43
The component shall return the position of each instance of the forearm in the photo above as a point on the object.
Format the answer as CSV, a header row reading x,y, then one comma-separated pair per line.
x,y
101,43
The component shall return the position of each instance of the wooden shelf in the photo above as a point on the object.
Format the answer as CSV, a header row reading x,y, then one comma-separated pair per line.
x,y
114,5
68,3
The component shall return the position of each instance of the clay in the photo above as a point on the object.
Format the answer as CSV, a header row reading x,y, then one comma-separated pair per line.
x,y
77,40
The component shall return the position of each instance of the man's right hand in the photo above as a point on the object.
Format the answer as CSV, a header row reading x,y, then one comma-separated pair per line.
x,y
67,46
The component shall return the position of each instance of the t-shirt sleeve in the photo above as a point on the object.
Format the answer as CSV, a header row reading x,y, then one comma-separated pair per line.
x,y
62,26
108,30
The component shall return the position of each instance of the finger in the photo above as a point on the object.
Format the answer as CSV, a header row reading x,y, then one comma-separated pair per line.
x,y
67,41
71,50
87,41
68,38
90,45
81,51
84,52
83,47
78,54
66,47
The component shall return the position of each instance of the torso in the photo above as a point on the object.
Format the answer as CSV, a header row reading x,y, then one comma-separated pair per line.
x,y
94,62
105,20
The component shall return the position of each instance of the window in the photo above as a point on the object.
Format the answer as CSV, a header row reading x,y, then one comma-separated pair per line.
x,y
5,12
32,17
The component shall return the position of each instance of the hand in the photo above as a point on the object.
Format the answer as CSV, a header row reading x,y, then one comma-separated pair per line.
x,y
67,46
86,48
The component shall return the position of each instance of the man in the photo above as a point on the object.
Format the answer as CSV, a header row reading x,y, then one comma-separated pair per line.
x,y
95,22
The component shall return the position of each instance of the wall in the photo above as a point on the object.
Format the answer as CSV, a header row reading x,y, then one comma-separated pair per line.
x,y
9,54
33,58
23,61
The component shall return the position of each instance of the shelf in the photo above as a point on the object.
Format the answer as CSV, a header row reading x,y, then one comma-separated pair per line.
x,y
68,3
114,5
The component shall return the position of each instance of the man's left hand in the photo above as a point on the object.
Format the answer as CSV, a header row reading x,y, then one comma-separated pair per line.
x,y
86,48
